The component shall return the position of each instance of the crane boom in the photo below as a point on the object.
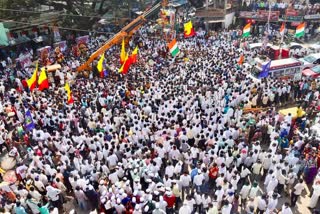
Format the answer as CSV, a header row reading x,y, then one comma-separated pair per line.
x,y
128,30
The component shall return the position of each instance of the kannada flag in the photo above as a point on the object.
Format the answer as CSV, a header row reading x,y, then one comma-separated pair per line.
x,y
100,66
189,30
241,59
69,93
43,82
32,82
134,55
300,30
173,46
246,30
282,29
126,65
123,53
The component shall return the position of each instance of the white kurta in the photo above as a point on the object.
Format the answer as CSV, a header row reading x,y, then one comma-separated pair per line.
x,y
315,196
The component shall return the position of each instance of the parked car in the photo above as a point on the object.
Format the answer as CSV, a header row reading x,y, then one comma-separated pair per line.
x,y
312,72
310,61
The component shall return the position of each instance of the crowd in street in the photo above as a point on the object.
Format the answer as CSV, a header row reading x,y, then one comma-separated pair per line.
x,y
191,134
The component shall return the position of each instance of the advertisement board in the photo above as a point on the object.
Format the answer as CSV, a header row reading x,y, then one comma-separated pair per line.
x,y
260,15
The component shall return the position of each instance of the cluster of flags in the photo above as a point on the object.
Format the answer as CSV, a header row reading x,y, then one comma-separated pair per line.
x,y
300,30
125,60
41,81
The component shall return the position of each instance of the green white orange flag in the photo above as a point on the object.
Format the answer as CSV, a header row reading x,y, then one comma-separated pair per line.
x,y
241,60
173,47
32,82
300,30
282,29
246,30
43,82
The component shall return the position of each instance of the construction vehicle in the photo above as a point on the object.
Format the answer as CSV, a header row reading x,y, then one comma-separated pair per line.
x,y
126,32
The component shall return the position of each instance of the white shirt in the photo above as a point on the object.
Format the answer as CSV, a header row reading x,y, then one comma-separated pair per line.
x,y
198,179
298,188
185,180
286,210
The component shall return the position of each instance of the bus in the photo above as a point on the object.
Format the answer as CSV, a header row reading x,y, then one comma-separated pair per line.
x,y
289,68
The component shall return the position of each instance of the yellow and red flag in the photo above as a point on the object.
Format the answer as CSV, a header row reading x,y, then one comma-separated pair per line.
x,y
134,55
123,53
189,30
126,65
43,82
69,93
32,82
100,66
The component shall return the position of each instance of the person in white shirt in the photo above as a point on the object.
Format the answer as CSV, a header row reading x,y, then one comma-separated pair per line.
x,y
244,192
296,192
198,181
315,195
185,209
226,208
286,209
185,181
262,204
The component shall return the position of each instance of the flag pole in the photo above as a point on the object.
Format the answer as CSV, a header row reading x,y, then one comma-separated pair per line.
x,y
280,46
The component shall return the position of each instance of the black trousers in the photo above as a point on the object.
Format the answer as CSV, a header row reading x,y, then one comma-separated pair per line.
x,y
294,199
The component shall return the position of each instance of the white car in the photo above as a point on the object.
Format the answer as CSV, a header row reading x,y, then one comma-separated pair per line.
x,y
310,61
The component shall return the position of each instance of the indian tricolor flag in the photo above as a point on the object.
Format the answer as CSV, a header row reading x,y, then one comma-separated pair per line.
x,y
282,29
246,30
173,46
300,30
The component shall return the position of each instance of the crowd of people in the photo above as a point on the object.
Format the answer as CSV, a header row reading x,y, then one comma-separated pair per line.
x,y
191,134
302,7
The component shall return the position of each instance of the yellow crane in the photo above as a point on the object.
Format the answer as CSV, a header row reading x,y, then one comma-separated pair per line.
x,y
127,31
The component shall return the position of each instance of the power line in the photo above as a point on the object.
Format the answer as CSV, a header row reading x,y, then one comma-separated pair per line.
x,y
60,14
74,29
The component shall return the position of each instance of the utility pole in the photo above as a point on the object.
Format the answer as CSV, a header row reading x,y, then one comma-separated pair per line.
x,y
206,21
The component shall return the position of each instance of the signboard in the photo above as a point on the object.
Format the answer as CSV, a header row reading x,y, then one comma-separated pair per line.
x,y
314,16
261,15
292,18
291,12
264,14
246,14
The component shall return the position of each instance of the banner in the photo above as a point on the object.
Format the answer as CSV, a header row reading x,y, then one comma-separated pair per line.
x,y
82,39
24,60
41,51
62,45
260,15
314,16
291,12
264,14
